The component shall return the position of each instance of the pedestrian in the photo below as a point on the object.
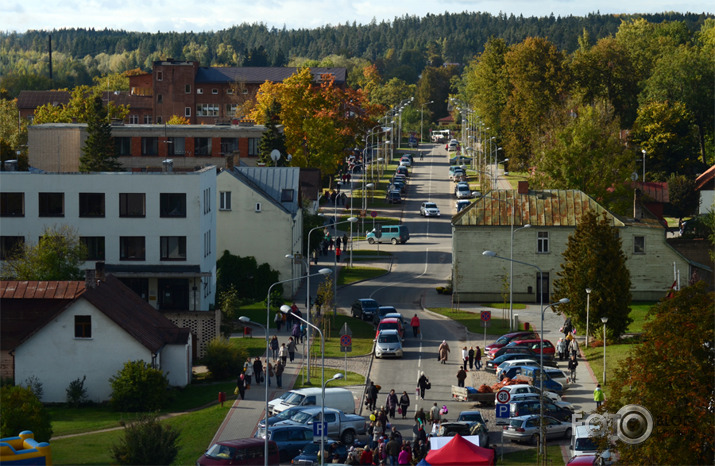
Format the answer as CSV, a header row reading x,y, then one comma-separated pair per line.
x,y
338,251
434,414
573,363
393,450
382,417
278,320
291,315
461,376
470,356
279,373
478,358
331,243
421,417
443,352
465,357
269,371
371,396
573,347
415,324
423,384
315,256
598,396
241,385
404,457
274,347
391,403
291,348
283,354
258,370
345,241
248,371
404,404
561,348
366,456
296,332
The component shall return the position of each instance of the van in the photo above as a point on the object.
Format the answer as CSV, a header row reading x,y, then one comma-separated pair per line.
x,y
389,233
584,441
336,398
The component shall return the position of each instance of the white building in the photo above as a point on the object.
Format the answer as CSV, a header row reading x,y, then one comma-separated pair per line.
x,y
154,231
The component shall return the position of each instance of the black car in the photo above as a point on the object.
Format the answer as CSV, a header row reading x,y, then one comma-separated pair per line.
x,y
524,407
492,364
393,197
308,456
382,311
365,309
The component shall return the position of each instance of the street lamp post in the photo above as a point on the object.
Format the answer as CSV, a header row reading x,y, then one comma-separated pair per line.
x,y
644,152
351,220
604,320
511,269
422,115
588,308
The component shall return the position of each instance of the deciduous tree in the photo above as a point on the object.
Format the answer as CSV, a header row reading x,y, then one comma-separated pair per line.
x,y
594,259
21,410
57,256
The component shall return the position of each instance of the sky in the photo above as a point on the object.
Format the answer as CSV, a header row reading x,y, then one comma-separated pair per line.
x,y
214,15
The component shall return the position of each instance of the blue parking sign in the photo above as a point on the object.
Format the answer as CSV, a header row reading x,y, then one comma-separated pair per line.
x,y
502,411
321,427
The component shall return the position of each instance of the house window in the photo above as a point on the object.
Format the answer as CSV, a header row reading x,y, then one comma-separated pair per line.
x,y
83,326
132,205
12,204
150,146
542,242
229,91
231,109
207,200
133,119
202,146
229,146
177,146
95,247
286,195
132,248
173,248
159,75
639,244
253,146
9,245
159,98
91,204
52,204
214,91
173,294
207,110
224,200
123,146
172,204
187,89
187,111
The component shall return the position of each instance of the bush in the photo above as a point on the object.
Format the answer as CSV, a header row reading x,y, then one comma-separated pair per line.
x,y
34,384
138,387
224,360
147,442
76,393
21,410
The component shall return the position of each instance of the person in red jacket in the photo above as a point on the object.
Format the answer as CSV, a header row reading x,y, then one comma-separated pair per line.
x,y
415,323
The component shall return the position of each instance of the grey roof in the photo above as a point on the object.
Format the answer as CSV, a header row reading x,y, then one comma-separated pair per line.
x,y
259,75
272,181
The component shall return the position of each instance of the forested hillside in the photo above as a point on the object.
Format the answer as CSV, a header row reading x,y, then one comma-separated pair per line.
x,y
400,48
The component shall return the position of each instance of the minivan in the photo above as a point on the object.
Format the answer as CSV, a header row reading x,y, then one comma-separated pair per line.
x,y
390,233
585,442
336,398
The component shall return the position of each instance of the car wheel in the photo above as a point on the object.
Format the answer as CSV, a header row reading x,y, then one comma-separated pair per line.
x,y
394,240
567,434
371,240
348,437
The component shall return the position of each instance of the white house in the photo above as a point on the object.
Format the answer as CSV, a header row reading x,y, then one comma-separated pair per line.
x,y
705,185
259,215
155,231
58,332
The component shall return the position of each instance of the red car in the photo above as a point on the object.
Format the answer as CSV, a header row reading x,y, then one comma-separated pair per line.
x,y
535,346
509,337
391,324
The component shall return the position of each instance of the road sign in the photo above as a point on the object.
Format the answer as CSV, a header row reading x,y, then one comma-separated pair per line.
x,y
486,316
319,428
345,330
373,214
503,396
346,340
502,411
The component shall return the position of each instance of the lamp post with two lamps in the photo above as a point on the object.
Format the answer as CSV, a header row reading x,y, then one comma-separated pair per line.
x,y
604,320
588,308
285,310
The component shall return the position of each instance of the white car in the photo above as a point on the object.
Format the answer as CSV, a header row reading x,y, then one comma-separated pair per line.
x,y
526,388
462,192
453,145
405,161
429,209
514,362
388,344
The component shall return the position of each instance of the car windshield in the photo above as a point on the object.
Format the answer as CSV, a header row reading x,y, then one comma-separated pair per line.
x,y
294,398
302,417
311,449
430,205
220,451
502,340
585,444
389,338
470,417
287,414
451,430
388,326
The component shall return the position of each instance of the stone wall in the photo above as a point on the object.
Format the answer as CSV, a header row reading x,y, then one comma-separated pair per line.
x,y
204,326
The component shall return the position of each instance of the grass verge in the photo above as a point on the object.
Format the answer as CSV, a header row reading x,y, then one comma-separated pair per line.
x,y
348,275
530,456
639,311
473,322
315,373
614,355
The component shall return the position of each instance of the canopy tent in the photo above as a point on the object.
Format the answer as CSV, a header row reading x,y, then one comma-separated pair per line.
x,y
460,452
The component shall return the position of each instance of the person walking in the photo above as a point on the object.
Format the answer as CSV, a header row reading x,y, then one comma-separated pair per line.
x,y
274,347
258,370
465,357
241,385
573,347
371,396
278,320
421,418
404,404
415,324
393,450
405,456
291,348
561,348
295,332
470,356
478,358
434,414
461,376
423,384
283,354
338,251
248,372
598,396
443,352
269,371
573,364
391,403
279,373
345,241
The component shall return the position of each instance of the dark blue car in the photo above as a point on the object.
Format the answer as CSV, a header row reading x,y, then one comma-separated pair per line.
x,y
290,439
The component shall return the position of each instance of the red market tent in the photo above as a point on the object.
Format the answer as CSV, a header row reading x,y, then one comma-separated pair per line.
x,y
460,452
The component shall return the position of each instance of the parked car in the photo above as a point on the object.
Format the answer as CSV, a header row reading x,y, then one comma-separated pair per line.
x,y
399,185
463,192
459,160
506,365
524,407
536,344
345,427
528,429
510,349
290,438
452,168
282,416
382,312
365,309
507,338
521,389
472,417
396,315
391,324
403,170
309,455
532,375
389,344
242,451
462,204
409,156
393,197
458,175
463,428
429,209
452,145
492,364
406,162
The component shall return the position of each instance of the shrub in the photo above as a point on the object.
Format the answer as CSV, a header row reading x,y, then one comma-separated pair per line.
x,y
147,441
21,410
34,384
76,393
138,387
223,359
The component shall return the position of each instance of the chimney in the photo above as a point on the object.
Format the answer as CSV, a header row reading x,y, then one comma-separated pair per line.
x,y
637,208
523,187
229,162
89,279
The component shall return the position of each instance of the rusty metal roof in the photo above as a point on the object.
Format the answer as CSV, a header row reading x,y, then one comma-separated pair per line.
x,y
41,289
544,208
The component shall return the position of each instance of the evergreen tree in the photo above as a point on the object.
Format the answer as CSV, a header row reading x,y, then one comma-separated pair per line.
x,y
594,259
272,139
98,152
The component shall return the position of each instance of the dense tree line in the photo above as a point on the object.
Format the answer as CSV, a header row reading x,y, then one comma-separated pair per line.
x,y
400,48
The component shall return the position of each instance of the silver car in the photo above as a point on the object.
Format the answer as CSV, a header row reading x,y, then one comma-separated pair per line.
x,y
527,429
388,344
429,209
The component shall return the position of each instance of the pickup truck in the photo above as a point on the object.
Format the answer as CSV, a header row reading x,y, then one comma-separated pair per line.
x,y
345,427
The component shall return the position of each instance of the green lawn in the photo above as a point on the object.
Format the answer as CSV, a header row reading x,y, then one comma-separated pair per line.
x,y
363,334
614,355
638,314
349,275
473,322
315,374
530,456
